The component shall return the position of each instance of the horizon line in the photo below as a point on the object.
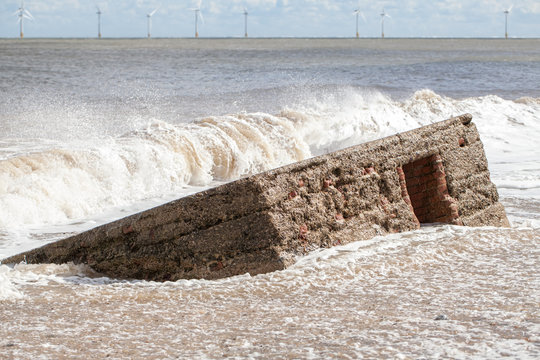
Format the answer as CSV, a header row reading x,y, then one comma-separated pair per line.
x,y
259,37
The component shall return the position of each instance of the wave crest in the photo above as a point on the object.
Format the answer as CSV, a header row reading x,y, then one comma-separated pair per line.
x,y
77,180
54,185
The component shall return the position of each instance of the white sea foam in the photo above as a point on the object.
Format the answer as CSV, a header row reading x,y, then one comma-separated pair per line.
x,y
8,291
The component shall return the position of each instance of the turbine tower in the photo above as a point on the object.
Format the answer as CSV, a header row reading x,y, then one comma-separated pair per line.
x,y
198,14
506,12
22,13
245,22
358,12
149,21
98,22
383,15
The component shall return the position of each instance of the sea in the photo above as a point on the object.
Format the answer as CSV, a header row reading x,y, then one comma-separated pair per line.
x,y
95,130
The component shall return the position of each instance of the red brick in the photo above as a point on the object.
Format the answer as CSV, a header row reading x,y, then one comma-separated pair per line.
x,y
128,229
370,170
415,189
442,189
413,181
442,219
441,180
432,184
292,195
419,171
417,198
407,200
439,174
303,231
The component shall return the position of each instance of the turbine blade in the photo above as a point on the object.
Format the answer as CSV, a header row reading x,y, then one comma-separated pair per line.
x,y
510,8
153,12
201,17
363,17
28,15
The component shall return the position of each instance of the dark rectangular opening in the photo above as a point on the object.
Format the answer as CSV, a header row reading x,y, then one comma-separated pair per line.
x,y
426,187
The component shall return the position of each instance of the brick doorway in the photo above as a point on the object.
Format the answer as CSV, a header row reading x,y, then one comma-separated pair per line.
x,y
423,187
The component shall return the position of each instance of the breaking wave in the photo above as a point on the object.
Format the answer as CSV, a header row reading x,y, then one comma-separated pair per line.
x,y
76,180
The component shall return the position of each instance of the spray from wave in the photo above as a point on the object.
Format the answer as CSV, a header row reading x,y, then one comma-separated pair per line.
x,y
77,180
64,183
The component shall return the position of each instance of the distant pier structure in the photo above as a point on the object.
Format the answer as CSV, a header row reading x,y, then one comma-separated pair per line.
x,y
262,223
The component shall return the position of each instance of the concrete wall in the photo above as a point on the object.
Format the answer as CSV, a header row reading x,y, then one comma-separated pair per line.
x,y
262,223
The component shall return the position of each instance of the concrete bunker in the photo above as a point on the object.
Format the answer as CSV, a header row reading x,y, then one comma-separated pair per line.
x,y
263,222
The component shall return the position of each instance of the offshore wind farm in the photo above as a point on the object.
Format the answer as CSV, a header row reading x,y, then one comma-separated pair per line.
x,y
221,20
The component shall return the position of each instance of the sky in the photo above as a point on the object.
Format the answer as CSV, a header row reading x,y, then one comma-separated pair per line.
x,y
273,18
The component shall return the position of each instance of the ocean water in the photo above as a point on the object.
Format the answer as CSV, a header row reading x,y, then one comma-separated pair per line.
x,y
91,131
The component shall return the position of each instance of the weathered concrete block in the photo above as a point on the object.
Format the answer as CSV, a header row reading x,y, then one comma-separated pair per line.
x,y
261,223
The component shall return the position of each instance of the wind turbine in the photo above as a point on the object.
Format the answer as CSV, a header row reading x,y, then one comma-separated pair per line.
x,y
22,13
245,22
98,22
149,22
198,14
506,12
383,15
358,12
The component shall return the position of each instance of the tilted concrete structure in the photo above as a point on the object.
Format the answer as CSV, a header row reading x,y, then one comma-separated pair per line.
x,y
261,223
